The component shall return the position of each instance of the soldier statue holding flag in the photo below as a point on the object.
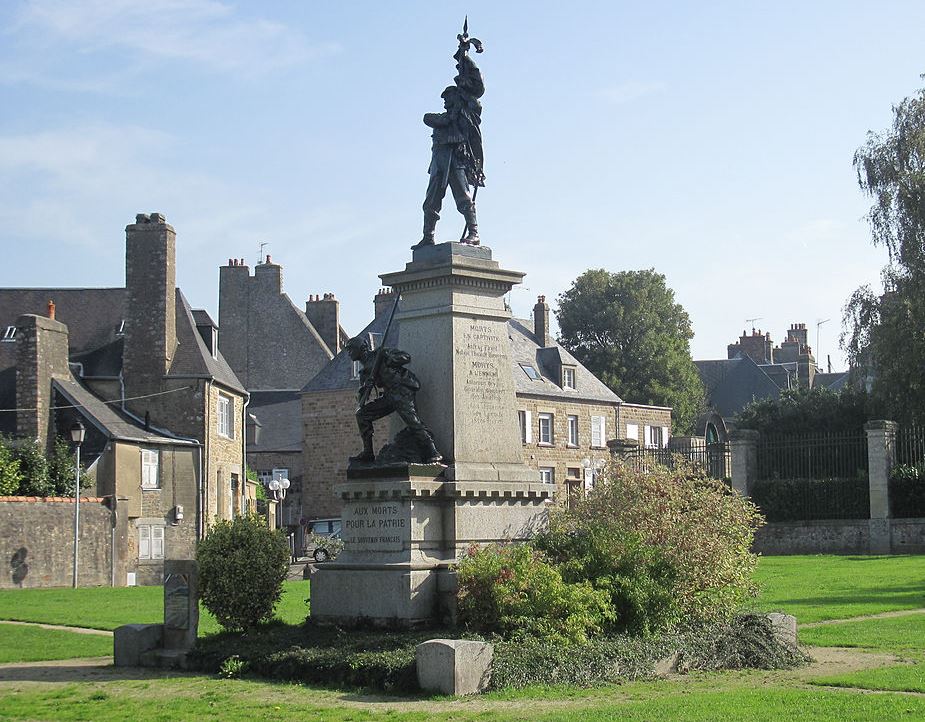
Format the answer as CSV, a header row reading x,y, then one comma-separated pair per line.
x,y
457,158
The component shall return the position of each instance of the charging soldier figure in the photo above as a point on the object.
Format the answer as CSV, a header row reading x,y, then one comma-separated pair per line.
x,y
386,370
457,158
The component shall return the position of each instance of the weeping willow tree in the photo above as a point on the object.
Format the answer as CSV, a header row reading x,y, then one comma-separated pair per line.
x,y
884,335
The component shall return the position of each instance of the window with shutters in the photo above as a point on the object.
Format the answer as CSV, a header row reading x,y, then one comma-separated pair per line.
x,y
632,432
150,541
225,412
573,431
545,436
149,469
524,418
656,437
598,431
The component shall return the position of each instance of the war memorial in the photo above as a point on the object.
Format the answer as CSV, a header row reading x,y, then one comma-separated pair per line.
x,y
453,474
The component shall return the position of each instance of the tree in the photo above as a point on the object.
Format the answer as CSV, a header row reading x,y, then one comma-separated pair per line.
x,y
10,474
884,335
628,331
804,410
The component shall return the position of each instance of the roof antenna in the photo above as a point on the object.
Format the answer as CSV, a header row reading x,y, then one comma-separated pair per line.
x,y
751,321
260,253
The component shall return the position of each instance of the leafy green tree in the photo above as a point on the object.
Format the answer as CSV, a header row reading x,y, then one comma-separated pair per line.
x,y
51,475
242,566
10,474
884,335
627,329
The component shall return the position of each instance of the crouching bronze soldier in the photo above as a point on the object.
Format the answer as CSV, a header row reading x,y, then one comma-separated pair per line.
x,y
386,371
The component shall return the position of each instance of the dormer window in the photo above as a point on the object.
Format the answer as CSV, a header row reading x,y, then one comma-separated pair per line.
x,y
357,367
121,330
531,372
9,334
568,377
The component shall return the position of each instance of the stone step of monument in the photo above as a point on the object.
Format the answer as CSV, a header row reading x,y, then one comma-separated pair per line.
x,y
164,658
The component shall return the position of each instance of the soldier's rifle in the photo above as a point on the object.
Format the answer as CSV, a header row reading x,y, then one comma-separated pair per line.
x,y
367,389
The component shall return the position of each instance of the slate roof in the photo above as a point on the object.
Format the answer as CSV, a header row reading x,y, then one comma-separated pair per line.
x,y
731,384
524,349
92,315
833,381
193,358
108,418
279,416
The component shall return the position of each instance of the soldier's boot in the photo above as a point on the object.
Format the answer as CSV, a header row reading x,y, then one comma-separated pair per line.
x,y
430,455
366,456
472,228
430,228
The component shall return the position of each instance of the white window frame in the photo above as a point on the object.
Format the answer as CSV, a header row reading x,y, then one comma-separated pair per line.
x,y
572,430
632,432
525,419
598,432
150,469
569,378
355,372
9,334
548,421
150,541
225,411
656,437
548,474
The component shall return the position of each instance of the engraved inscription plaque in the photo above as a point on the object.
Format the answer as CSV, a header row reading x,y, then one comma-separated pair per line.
x,y
176,601
376,526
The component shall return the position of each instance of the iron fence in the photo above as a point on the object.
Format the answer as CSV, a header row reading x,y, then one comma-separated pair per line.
x,y
714,459
910,445
834,455
907,479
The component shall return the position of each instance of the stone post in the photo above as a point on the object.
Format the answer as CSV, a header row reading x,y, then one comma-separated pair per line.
x,y
622,448
744,446
881,455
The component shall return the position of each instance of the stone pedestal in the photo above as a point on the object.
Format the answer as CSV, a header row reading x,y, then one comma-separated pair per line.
x,y
404,527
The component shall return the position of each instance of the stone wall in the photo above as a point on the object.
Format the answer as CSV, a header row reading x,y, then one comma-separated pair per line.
x,y
837,537
37,542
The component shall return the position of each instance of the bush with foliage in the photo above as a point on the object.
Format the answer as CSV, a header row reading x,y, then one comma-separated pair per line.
x,y
701,529
242,566
10,474
808,499
512,590
907,491
638,578
808,411
38,474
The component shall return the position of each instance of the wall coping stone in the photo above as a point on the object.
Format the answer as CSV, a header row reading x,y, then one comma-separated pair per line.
x,y
54,499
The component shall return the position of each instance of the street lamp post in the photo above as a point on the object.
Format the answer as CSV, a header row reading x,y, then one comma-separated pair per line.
x,y
78,432
278,487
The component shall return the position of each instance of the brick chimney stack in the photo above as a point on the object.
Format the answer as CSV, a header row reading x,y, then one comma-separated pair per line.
x,y
41,355
383,301
51,309
150,284
324,314
541,321
269,276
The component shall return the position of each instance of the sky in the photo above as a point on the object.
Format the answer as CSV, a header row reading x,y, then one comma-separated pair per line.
x,y
710,141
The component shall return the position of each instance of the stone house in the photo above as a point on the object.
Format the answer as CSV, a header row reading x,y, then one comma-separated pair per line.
x,y
275,348
567,416
142,371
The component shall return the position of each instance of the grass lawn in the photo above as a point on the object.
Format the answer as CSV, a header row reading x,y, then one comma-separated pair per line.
x,y
33,644
108,608
812,588
816,588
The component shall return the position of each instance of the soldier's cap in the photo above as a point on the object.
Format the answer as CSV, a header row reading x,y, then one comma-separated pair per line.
x,y
357,342
449,90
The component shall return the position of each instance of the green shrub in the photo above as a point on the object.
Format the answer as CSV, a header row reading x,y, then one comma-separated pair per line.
x,y
511,590
10,474
51,475
637,577
701,529
907,491
806,499
242,566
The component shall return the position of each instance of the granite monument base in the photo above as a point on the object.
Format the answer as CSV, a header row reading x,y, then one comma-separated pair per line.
x,y
403,532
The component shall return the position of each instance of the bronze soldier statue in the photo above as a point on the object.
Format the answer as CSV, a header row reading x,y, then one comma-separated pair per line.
x,y
386,369
457,159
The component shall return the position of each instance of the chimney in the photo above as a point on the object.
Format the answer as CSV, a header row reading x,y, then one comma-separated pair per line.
x,y
51,309
324,315
268,276
41,355
150,284
383,302
541,321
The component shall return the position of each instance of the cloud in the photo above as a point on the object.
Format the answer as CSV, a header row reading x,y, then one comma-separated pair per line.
x,y
629,91
206,33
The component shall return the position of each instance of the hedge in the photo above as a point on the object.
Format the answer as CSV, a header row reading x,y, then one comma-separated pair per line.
x,y
811,499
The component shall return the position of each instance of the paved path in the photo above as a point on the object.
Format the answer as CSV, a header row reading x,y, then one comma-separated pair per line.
x,y
881,615
78,630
